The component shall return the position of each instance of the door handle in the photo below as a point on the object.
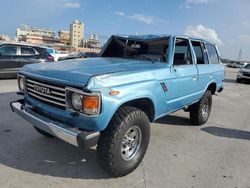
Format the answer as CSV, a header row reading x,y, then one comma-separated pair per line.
x,y
194,77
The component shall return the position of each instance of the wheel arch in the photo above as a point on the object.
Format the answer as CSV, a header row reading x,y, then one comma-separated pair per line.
x,y
212,87
144,104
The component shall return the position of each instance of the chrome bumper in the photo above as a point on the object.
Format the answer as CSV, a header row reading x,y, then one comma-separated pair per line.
x,y
62,131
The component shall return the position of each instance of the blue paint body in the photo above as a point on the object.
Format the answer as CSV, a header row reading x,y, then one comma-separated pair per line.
x,y
134,79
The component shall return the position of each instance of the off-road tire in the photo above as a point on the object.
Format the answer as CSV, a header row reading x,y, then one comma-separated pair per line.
x,y
109,151
196,114
238,80
43,133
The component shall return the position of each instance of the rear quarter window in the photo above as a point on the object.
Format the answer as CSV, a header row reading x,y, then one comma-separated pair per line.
x,y
212,54
27,51
50,50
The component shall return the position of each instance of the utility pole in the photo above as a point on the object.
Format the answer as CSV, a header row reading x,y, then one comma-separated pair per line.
x,y
240,54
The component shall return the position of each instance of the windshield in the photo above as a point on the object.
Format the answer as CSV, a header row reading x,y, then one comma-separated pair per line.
x,y
153,50
247,66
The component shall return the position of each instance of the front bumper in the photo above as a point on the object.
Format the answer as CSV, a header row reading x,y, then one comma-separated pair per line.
x,y
62,131
241,76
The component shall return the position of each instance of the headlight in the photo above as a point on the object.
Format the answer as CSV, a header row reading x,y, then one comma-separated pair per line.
x,y
86,103
76,100
21,85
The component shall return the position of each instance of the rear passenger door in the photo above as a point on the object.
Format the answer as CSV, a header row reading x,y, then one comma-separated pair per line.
x,y
27,55
8,54
208,64
184,75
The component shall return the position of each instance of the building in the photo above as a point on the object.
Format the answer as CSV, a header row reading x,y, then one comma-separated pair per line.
x,y
36,35
4,38
76,34
39,39
64,37
93,42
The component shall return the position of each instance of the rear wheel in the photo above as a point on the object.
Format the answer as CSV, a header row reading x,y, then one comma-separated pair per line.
x,y
200,111
123,144
43,132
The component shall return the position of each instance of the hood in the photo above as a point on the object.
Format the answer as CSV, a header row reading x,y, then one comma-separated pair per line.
x,y
78,72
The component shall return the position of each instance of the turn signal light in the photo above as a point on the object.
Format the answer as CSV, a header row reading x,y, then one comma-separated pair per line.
x,y
91,105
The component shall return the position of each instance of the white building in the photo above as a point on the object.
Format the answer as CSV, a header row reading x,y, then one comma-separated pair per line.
x,y
76,34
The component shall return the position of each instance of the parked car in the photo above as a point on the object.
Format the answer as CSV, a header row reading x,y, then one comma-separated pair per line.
x,y
78,55
238,64
13,56
244,74
111,100
230,64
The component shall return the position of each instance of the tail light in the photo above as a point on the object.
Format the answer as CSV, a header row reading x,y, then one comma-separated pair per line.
x,y
51,58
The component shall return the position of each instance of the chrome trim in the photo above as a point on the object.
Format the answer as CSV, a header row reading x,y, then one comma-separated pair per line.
x,y
43,94
42,84
56,93
62,131
42,98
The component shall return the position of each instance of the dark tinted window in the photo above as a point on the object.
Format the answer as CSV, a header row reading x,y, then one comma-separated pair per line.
x,y
182,54
247,66
212,54
8,50
27,51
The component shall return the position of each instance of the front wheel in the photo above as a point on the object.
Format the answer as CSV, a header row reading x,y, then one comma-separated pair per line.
x,y
200,111
123,144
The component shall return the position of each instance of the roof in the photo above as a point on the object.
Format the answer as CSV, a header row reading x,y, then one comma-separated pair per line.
x,y
153,37
23,44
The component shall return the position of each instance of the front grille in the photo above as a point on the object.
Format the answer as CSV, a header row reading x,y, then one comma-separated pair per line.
x,y
48,93
246,74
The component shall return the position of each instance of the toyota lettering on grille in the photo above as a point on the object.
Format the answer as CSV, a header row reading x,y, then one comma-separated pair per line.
x,y
41,89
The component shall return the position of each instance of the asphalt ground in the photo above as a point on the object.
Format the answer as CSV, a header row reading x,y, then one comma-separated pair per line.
x,y
216,154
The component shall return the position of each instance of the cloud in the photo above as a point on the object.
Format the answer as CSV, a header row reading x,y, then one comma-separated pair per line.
x,y
119,13
150,20
146,19
187,4
196,1
71,5
203,32
246,24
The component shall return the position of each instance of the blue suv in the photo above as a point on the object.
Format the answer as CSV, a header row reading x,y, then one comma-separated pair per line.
x,y
111,100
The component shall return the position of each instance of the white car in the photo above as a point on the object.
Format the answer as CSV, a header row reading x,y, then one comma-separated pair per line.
x,y
244,74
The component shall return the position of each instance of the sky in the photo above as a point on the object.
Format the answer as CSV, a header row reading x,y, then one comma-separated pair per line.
x,y
224,22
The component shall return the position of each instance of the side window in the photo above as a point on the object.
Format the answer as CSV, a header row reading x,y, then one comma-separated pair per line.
x,y
200,53
27,51
8,50
182,54
212,54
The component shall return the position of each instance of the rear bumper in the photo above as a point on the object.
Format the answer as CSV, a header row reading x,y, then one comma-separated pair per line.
x,y
62,131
